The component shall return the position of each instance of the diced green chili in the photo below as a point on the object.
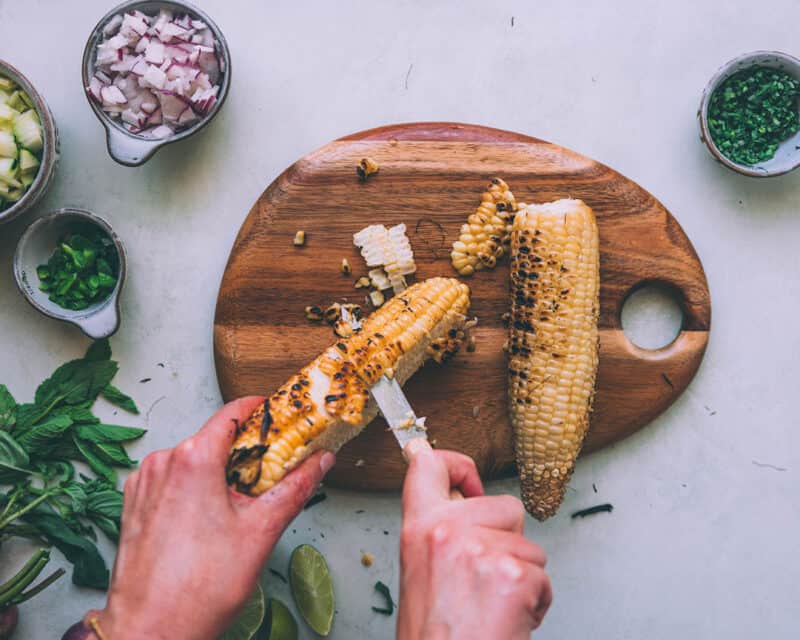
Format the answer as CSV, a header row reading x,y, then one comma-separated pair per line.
x,y
752,112
83,269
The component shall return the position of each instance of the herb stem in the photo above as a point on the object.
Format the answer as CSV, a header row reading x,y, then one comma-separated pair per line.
x,y
9,504
27,595
24,576
28,507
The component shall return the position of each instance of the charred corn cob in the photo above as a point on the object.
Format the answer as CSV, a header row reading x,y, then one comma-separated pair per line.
x,y
327,403
553,344
485,236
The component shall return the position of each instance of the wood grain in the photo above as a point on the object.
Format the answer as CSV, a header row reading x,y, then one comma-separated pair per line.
x,y
431,177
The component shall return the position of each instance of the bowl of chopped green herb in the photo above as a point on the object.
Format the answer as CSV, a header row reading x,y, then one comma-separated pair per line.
x,y
70,265
749,115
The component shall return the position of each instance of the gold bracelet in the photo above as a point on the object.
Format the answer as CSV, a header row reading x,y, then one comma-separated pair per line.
x,y
95,626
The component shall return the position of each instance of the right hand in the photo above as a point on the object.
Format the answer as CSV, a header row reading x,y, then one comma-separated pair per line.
x,y
466,569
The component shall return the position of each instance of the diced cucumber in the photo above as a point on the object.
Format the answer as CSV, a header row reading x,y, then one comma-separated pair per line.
x,y
27,160
4,189
14,194
28,130
27,100
8,172
8,148
27,178
7,114
15,101
6,83
4,96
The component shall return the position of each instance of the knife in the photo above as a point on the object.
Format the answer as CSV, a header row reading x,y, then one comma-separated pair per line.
x,y
397,411
400,416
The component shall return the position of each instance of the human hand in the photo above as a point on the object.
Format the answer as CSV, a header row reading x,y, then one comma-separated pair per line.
x,y
191,549
466,569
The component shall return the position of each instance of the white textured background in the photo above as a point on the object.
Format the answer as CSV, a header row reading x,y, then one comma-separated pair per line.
x,y
704,542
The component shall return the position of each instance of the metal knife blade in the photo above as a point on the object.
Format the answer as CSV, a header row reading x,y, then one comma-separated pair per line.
x,y
397,411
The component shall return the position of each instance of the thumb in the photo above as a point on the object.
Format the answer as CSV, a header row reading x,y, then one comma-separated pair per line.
x,y
281,504
435,476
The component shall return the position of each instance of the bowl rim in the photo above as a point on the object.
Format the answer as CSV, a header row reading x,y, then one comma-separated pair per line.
x,y
49,145
702,113
77,318
111,126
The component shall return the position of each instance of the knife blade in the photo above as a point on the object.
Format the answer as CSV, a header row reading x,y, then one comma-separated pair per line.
x,y
397,411
401,418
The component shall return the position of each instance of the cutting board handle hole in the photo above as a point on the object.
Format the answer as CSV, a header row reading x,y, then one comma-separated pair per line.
x,y
652,315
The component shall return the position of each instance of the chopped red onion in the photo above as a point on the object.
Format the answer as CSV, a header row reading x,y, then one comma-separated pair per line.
x,y
159,74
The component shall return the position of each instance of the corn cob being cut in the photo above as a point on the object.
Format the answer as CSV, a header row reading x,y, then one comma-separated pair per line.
x,y
327,403
484,237
553,344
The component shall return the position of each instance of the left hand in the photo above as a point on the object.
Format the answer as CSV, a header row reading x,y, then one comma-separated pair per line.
x,y
191,549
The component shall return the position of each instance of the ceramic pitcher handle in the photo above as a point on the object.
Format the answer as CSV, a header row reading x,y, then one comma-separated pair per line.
x,y
102,323
128,150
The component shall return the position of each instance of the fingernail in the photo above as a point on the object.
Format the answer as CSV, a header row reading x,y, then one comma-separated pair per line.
x,y
415,446
326,461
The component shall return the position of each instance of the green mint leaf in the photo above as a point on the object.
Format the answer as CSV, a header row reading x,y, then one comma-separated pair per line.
x,y
108,432
8,408
95,462
108,526
74,383
76,492
40,439
106,502
120,399
14,459
89,567
388,607
98,350
114,454
56,471
26,415
79,414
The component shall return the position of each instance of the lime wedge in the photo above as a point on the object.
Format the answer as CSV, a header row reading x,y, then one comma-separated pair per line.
x,y
247,623
279,623
312,588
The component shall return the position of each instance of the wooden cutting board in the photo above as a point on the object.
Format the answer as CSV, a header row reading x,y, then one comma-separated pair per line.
x,y
431,178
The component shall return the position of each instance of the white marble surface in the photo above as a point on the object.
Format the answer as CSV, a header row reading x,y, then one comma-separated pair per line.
x,y
704,541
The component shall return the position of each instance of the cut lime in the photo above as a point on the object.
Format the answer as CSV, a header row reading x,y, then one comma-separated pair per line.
x,y
312,588
247,623
279,623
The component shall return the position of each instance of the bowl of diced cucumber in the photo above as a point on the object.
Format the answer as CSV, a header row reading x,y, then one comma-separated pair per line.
x,y
28,144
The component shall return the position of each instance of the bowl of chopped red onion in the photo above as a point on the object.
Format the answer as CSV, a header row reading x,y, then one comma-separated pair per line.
x,y
154,73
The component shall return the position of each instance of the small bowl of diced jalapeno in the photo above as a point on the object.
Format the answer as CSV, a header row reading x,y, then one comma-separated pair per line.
x,y
749,115
70,265
28,144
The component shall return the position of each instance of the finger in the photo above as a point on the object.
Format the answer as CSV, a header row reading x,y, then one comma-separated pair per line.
x,y
276,508
128,516
513,544
494,512
431,475
544,601
218,433
152,474
129,491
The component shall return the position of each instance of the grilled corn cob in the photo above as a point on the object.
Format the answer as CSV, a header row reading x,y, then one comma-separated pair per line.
x,y
327,403
484,237
553,345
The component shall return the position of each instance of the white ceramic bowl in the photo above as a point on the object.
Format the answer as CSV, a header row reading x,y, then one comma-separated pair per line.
x,y
787,157
49,161
36,246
